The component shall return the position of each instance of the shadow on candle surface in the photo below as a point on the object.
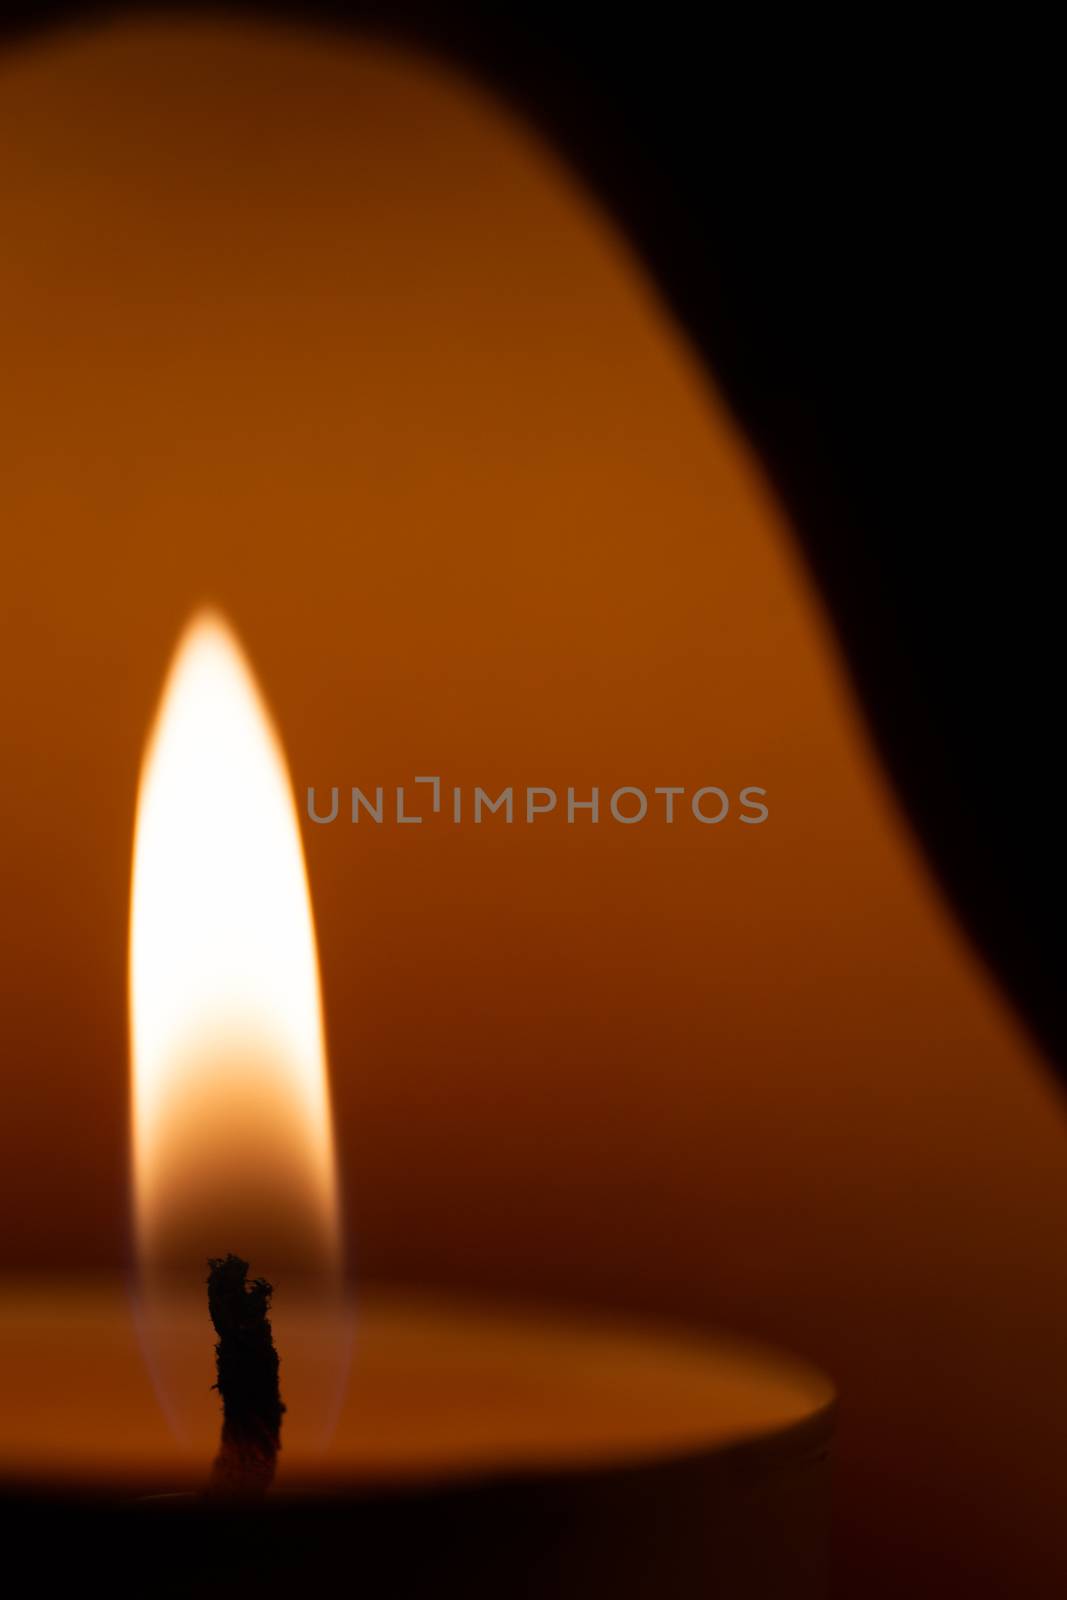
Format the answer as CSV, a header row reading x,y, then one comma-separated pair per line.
x,y
319,331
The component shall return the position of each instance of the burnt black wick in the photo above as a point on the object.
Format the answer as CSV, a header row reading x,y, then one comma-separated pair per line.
x,y
247,1380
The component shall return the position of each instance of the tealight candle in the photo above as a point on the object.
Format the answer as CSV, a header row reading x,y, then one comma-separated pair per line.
x,y
472,1449
479,1451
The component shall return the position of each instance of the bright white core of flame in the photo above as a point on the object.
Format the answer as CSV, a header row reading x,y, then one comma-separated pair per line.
x,y
225,1012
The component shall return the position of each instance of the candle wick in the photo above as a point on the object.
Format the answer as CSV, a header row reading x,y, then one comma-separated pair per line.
x,y
247,1365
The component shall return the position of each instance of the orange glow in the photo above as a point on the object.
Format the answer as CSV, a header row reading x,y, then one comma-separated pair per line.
x,y
323,325
232,1143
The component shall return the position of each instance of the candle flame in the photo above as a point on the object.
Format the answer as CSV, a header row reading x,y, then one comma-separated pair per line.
x,y
232,1140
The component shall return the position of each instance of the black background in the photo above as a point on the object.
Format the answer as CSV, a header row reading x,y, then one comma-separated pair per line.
x,y
847,217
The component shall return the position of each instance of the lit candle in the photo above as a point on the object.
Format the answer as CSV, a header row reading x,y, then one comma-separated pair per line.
x,y
476,1450
232,1137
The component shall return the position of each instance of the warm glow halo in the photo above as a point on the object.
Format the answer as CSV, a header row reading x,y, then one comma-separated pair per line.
x,y
232,1142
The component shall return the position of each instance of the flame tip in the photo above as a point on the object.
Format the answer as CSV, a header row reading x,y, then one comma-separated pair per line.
x,y
206,622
